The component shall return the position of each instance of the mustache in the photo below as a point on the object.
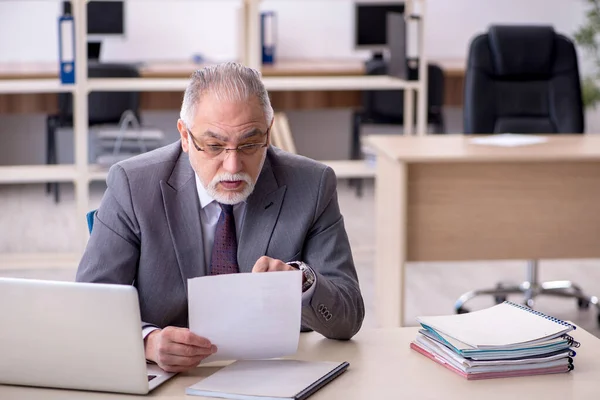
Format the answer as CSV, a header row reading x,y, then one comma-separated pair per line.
x,y
232,177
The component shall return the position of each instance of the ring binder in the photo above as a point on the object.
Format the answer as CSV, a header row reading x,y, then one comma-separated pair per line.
x,y
541,314
66,48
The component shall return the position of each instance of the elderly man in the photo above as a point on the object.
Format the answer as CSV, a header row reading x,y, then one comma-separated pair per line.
x,y
221,200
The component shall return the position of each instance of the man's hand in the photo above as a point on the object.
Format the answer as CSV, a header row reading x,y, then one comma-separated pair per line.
x,y
177,349
268,264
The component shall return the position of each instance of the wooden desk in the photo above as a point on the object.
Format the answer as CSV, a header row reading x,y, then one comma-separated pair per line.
x,y
46,103
440,198
383,367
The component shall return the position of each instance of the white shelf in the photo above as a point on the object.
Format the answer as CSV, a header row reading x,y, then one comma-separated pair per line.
x,y
14,86
337,83
137,84
37,173
68,173
271,83
342,168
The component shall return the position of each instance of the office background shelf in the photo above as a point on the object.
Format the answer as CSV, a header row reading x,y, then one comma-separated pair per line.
x,y
37,173
342,78
14,86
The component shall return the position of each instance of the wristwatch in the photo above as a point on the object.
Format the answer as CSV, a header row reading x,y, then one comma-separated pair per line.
x,y
307,273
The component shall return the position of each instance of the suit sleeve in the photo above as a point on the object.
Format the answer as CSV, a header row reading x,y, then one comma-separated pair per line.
x,y
113,250
336,309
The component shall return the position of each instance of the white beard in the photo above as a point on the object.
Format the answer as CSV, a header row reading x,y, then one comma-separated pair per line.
x,y
233,197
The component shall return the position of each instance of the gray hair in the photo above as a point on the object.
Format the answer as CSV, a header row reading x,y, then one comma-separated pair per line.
x,y
228,81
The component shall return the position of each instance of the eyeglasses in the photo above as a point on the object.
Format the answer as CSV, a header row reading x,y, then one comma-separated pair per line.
x,y
213,150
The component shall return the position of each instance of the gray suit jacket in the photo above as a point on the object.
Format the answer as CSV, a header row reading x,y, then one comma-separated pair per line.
x,y
147,233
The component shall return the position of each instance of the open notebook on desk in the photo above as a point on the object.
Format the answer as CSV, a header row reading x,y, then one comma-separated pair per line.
x,y
268,379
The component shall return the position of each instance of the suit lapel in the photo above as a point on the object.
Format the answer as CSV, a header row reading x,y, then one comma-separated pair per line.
x,y
262,212
182,209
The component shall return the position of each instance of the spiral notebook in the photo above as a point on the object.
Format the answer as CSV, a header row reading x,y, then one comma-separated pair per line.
x,y
506,325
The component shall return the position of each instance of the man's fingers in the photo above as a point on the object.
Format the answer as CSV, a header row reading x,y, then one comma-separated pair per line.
x,y
268,264
262,264
182,350
186,337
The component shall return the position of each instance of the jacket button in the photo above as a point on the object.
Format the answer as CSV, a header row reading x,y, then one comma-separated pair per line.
x,y
321,307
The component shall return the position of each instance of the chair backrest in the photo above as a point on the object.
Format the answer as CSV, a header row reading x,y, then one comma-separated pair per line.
x,y
90,219
522,79
390,103
105,107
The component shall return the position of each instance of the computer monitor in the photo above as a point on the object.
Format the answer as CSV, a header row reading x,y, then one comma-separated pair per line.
x,y
104,18
371,24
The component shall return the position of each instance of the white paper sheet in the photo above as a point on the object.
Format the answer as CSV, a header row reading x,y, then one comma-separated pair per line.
x,y
509,140
247,315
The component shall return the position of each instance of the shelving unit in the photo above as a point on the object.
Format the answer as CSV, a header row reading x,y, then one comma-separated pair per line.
x,y
81,173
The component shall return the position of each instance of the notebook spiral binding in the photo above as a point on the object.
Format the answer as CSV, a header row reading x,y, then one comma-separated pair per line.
x,y
572,342
541,314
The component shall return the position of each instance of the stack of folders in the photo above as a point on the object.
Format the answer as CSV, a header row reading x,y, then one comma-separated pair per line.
x,y
503,341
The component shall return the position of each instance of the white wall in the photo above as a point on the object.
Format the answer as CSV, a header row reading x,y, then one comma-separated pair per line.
x,y
176,29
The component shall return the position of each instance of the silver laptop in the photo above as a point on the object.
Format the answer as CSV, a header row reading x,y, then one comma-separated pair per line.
x,y
71,335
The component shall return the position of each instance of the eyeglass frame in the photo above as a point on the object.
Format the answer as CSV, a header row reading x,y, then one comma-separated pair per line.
x,y
227,150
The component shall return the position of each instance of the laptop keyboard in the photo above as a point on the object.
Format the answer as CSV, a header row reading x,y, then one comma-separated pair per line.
x,y
150,377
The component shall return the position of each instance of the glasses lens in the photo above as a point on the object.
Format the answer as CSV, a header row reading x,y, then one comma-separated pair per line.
x,y
213,151
250,149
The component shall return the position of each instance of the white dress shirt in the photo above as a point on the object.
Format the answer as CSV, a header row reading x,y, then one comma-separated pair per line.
x,y
209,216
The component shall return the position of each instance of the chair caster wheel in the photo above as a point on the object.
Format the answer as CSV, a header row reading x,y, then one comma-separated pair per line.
x,y
462,310
583,304
499,299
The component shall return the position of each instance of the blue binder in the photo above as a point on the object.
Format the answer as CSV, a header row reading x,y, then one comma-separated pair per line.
x,y
66,48
267,36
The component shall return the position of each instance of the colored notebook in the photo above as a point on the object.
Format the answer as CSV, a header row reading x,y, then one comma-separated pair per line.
x,y
506,325
268,380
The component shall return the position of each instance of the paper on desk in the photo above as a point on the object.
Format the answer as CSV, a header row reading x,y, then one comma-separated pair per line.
x,y
247,315
509,140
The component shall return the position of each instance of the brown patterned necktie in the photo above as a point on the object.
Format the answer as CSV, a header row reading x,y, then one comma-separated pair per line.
x,y
224,251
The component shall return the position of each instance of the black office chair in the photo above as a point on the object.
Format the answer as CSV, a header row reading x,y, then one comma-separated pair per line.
x,y
387,106
524,79
104,108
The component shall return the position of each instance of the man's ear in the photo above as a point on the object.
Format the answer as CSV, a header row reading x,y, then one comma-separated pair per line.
x,y
183,132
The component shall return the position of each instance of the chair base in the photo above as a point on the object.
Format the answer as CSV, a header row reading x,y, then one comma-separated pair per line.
x,y
531,289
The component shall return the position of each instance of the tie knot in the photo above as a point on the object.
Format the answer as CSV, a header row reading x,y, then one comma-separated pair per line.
x,y
227,208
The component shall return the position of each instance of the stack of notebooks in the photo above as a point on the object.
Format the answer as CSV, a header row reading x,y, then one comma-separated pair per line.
x,y
502,341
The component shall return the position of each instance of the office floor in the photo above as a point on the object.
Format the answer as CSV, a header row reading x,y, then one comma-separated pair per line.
x,y
432,288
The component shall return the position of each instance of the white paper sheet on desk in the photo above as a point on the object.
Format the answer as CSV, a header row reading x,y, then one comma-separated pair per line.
x,y
247,315
509,140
